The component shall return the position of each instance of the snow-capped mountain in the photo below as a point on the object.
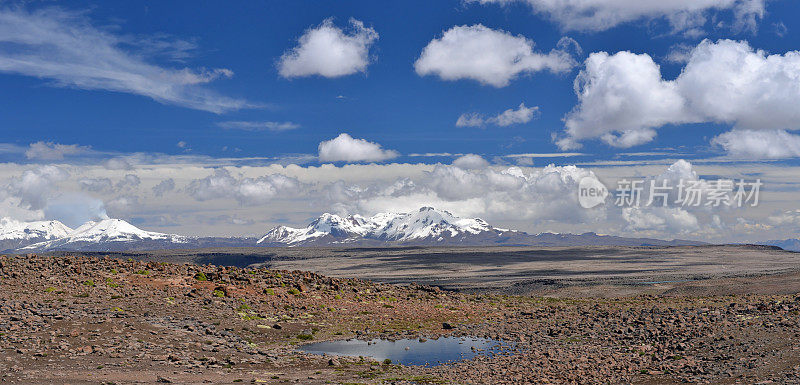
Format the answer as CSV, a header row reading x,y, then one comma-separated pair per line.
x,y
109,235
425,226
14,233
431,227
115,230
326,226
428,223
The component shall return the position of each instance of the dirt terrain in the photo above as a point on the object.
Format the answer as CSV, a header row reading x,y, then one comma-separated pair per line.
x,y
597,271
66,319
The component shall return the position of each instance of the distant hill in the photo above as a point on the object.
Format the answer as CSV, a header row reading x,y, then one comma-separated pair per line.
x,y
786,244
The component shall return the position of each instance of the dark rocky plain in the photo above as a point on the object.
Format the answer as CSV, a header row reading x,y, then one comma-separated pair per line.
x,y
706,314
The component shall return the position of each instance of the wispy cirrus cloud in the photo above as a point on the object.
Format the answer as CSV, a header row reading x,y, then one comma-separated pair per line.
x,y
682,15
547,155
11,148
258,126
64,47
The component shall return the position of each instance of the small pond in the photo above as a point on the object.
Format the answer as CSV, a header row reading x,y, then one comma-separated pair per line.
x,y
412,352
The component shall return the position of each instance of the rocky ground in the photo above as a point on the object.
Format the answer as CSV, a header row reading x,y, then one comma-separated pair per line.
x,y
102,320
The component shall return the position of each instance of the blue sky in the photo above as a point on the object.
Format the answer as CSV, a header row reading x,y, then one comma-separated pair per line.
x,y
161,92
389,103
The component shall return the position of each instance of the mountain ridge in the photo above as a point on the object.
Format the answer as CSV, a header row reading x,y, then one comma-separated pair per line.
x,y
15,234
431,227
424,227
107,232
426,224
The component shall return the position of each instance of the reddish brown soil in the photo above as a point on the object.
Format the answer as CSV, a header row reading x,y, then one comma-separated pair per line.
x,y
91,320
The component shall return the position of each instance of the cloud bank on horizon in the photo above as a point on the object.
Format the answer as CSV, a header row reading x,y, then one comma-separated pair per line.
x,y
480,110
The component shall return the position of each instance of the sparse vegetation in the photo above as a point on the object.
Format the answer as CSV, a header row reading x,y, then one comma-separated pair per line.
x,y
219,337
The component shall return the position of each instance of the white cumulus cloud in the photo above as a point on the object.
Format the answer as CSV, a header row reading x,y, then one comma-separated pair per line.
x,y
122,205
510,116
623,97
34,187
96,184
470,161
328,51
763,144
730,82
673,220
117,164
129,181
247,191
471,188
163,187
489,56
470,119
53,151
75,209
348,149
621,93
789,218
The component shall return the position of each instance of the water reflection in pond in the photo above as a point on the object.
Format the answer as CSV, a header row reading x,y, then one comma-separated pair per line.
x,y
412,352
